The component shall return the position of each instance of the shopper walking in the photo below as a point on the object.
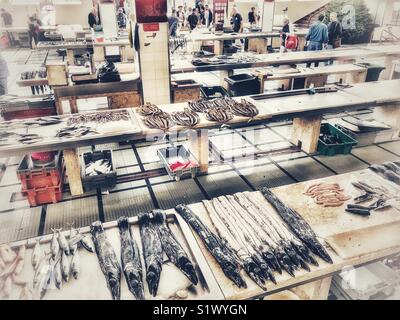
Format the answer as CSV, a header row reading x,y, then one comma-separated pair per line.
x,y
335,31
93,18
173,23
207,16
236,20
252,16
317,37
193,20
3,75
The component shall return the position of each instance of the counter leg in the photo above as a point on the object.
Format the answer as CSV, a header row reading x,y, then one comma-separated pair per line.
x,y
317,290
218,47
305,133
356,77
122,52
73,105
386,74
70,57
389,115
98,54
73,168
199,145
222,75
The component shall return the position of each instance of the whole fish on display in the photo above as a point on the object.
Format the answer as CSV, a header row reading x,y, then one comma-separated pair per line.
x,y
152,252
172,248
107,259
130,257
224,256
298,225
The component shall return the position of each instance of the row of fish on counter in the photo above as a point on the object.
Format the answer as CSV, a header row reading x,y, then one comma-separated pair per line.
x,y
251,237
50,268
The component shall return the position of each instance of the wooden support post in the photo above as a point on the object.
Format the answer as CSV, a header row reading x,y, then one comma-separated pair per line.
x,y
356,77
305,133
218,47
386,74
73,168
198,146
122,52
98,54
70,57
302,43
73,105
317,290
222,75
261,79
389,115
258,45
318,81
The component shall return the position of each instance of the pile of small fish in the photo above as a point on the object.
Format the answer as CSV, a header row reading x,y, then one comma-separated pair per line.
x,y
98,117
256,239
242,109
388,170
11,265
54,267
199,105
326,194
160,121
378,198
75,131
157,239
41,74
148,109
45,121
102,166
330,138
219,114
186,118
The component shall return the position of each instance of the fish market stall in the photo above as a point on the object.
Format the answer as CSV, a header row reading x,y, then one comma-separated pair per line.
x,y
79,275
349,239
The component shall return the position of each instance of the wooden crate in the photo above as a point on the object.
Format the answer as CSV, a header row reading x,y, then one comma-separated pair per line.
x,y
57,74
124,100
185,90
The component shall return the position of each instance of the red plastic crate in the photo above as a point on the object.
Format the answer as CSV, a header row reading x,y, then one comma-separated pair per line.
x,y
40,177
45,195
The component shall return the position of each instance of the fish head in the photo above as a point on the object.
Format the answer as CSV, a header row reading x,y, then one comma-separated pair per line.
x,y
96,227
123,223
153,279
136,284
113,281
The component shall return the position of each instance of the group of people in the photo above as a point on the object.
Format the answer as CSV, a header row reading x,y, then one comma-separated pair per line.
x,y
192,17
320,36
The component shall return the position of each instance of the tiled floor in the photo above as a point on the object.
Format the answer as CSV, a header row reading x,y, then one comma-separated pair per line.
x,y
131,196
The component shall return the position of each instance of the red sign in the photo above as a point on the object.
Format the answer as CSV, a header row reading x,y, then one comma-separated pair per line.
x,y
151,27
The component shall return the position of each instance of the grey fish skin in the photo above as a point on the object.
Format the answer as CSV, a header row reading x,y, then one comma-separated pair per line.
x,y
58,274
215,246
54,246
75,265
87,244
36,254
46,280
65,267
298,225
130,257
108,261
152,252
62,241
72,247
172,248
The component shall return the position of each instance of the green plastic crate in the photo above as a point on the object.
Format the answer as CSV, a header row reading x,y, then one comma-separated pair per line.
x,y
334,149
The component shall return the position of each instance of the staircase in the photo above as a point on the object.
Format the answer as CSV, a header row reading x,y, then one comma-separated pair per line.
x,y
307,20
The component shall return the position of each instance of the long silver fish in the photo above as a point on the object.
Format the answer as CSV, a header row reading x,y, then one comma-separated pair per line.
x,y
54,246
73,247
36,254
58,273
75,265
45,281
63,242
87,244
65,267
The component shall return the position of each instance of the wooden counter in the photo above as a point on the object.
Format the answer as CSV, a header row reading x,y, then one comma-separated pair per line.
x,y
356,240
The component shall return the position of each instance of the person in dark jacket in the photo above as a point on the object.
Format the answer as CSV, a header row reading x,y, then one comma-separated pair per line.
x,y
335,31
252,16
193,20
284,33
236,20
3,75
173,23
207,17
93,18
317,37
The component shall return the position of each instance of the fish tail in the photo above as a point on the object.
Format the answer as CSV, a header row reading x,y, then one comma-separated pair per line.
x,y
123,223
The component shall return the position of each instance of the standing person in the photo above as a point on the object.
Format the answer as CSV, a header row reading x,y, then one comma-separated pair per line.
x,y
193,20
252,16
207,16
317,37
335,31
93,18
173,23
7,21
121,18
236,20
284,34
200,5
180,14
3,76
31,32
